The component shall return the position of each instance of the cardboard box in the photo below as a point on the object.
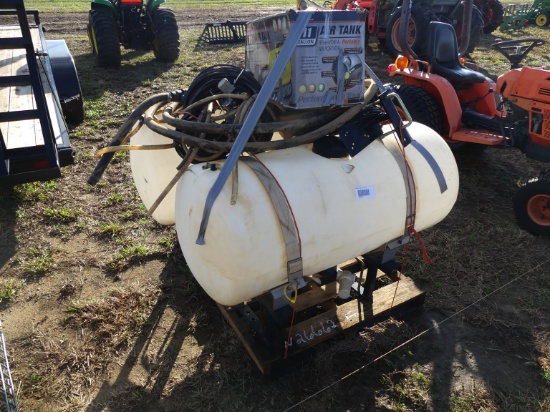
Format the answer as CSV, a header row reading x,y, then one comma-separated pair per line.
x,y
326,67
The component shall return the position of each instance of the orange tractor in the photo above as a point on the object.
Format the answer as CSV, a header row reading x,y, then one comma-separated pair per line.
x,y
469,109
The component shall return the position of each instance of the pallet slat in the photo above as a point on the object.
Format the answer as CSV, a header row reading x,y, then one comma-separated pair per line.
x,y
311,327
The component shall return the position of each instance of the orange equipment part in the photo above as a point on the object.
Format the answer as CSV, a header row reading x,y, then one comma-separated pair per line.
x,y
529,88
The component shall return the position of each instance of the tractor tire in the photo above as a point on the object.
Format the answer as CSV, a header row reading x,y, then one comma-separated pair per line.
x,y
532,206
417,35
103,34
166,44
90,35
492,13
476,28
421,106
424,109
542,19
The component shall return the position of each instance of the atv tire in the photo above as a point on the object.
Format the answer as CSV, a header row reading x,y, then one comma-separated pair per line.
x,y
417,34
166,44
421,106
532,206
103,35
492,14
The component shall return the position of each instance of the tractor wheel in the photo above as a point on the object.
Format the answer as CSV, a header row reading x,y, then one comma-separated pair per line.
x,y
424,109
532,206
476,27
421,106
541,19
103,34
90,35
416,34
166,44
493,13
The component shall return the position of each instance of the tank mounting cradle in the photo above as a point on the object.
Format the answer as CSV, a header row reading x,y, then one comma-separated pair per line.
x,y
319,315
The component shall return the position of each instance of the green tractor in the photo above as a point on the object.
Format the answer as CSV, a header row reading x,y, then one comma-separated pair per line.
x,y
540,13
136,25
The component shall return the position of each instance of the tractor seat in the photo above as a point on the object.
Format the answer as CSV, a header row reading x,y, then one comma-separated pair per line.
x,y
443,57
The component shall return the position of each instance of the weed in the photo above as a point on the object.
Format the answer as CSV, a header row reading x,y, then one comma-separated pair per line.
x,y
127,215
111,229
35,191
63,215
114,198
421,379
38,261
126,255
9,288
35,378
167,243
75,306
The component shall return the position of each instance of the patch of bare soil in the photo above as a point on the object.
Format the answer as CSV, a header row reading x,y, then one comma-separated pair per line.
x,y
105,315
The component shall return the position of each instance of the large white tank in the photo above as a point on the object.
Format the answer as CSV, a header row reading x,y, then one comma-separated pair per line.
x,y
244,253
152,170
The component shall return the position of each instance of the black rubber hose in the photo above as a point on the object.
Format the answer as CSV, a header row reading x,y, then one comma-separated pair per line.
x,y
213,146
123,131
290,126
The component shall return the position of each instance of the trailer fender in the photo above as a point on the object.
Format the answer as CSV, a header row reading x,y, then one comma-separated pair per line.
x,y
442,91
66,81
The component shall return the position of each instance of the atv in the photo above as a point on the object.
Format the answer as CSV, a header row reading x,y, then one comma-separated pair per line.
x,y
136,25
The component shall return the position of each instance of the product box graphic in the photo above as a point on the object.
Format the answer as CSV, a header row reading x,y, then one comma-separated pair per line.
x,y
326,68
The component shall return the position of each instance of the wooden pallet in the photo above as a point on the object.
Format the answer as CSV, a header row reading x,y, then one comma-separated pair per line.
x,y
320,315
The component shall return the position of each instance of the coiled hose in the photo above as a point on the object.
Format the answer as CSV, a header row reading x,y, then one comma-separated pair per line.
x,y
159,112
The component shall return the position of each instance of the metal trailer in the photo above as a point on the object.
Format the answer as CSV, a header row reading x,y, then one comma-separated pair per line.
x,y
39,93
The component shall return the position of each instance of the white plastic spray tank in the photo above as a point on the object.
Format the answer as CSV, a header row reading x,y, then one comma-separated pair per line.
x,y
342,208
152,170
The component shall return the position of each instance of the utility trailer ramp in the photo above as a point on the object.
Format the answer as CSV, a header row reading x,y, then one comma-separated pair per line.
x,y
34,138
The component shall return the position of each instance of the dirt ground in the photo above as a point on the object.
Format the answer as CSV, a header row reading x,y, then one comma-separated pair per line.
x,y
90,329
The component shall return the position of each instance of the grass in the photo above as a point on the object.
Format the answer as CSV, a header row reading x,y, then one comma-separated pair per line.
x,y
84,6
